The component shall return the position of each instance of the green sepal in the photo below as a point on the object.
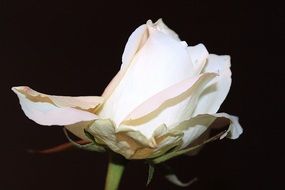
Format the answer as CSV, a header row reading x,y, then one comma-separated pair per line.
x,y
175,153
150,173
93,146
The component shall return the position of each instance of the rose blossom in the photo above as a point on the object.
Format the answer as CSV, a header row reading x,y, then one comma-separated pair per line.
x,y
165,96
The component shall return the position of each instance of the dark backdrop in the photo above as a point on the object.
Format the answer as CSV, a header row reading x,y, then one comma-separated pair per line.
x,y
74,48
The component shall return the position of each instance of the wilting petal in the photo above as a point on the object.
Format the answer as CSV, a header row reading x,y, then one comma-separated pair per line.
x,y
165,141
104,131
160,63
194,127
216,91
78,129
146,148
130,143
170,106
235,129
56,110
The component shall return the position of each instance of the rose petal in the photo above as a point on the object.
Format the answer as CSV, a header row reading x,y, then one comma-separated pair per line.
x,y
173,91
160,26
165,141
56,110
104,131
160,63
198,56
130,143
170,106
135,42
194,127
146,148
216,91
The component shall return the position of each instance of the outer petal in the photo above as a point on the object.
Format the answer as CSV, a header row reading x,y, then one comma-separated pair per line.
x,y
104,131
56,110
132,144
194,127
135,42
199,55
160,63
170,106
217,90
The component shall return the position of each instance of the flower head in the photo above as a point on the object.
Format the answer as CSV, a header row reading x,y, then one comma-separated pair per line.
x,y
165,96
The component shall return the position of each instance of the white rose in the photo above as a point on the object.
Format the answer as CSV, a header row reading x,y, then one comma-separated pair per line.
x,y
165,95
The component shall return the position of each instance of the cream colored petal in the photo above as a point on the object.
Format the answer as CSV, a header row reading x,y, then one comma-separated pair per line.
x,y
104,131
160,63
193,128
199,55
179,137
56,110
130,144
235,129
147,148
156,101
165,140
135,42
160,26
196,126
81,102
170,106
216,91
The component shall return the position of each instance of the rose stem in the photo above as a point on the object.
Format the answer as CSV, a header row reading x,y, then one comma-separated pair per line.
x,y
116,168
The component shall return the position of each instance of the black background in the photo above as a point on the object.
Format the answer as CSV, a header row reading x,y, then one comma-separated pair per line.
x,y
74,48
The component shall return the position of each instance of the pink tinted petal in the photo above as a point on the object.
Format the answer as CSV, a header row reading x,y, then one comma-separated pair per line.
x,y
82,102
49,110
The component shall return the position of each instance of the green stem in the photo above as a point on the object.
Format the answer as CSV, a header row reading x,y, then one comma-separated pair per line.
x,y
116,168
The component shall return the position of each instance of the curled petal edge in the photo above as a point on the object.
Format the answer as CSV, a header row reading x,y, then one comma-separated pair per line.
x,y
233,132
56,110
